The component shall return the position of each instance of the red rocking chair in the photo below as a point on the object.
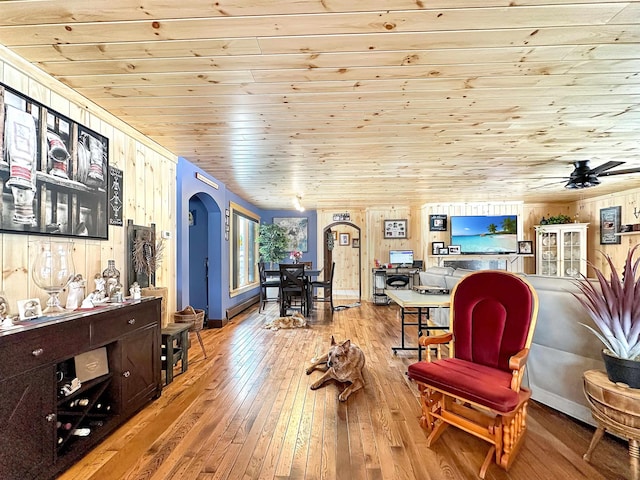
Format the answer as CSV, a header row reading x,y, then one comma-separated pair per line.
x,y
478,387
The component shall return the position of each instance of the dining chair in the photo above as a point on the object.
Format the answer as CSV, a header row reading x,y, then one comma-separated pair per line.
x,y
327,286
293,288
478,387
266,282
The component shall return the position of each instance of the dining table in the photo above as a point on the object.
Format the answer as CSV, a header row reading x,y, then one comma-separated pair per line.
x,y
308,275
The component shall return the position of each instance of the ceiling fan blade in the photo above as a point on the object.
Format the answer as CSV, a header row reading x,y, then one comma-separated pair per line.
x,y
557,182
620,172
604,167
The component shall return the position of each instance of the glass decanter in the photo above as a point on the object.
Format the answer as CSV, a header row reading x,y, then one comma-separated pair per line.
x,y
111,277
52,271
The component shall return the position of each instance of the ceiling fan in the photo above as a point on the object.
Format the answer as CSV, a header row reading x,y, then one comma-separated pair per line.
x,y
584,177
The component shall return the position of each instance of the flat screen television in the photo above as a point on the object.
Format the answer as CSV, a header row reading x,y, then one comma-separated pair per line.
x,y
485,235
401,257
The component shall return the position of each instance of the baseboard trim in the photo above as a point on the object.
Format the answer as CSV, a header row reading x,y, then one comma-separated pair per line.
x,y
242,306
216,323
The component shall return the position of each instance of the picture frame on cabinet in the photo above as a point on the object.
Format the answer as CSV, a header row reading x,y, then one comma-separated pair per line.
x,y
454,249
29,308
443,251
610,225
525,247
435,247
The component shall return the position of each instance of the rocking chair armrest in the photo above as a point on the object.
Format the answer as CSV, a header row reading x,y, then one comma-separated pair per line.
x,y
426,340
519,360
517,364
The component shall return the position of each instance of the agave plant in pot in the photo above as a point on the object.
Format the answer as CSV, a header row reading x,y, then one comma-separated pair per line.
x,y
614,306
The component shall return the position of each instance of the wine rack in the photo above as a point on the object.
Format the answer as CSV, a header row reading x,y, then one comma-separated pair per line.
x,y
83,411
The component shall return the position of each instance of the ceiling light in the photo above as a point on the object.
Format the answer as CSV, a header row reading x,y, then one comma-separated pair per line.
x,y
297,203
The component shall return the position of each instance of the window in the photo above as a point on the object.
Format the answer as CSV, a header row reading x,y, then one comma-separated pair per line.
x,y
243,249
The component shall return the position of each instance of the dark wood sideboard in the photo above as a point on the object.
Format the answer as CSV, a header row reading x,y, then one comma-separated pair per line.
x,y
39,423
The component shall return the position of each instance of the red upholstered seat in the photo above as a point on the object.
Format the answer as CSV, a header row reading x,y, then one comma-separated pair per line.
x,y
492,318
483,385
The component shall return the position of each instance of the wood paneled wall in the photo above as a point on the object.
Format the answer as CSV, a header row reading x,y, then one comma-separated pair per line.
x,y
375,246
149,191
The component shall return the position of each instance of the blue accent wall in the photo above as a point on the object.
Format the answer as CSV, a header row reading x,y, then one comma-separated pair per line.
x,y
211,202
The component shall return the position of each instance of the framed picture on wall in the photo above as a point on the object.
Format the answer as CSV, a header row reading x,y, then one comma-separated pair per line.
x,y
355,243
438,223
56,173
395,228
609,226
344,239
297,230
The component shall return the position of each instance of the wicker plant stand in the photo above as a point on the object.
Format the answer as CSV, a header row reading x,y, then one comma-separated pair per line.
x,y
196,318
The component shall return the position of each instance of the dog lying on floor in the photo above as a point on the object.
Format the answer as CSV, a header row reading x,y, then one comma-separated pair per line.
x,y
344,363
297,320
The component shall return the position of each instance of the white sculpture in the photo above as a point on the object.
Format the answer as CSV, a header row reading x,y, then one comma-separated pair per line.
x,y
99,293
135,291
88,302
76,292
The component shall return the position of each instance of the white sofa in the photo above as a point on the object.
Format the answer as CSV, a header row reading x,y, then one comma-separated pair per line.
x,y
561,350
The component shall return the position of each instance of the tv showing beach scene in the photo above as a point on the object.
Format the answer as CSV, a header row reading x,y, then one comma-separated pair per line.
x,y
490,235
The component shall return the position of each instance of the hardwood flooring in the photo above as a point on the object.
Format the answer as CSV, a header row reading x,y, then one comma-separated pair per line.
x,y
247,413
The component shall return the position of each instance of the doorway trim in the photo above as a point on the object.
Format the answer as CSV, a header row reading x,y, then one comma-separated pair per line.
x,y
327,255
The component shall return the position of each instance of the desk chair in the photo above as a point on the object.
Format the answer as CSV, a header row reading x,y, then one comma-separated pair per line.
x,y
327,285
477,389
293,288
264,284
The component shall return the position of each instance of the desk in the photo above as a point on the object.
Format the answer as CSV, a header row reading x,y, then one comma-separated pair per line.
x,y
175,347
616,409
412,302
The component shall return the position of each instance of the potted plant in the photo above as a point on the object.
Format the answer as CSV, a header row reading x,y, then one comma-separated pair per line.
x,y
615,309
272,239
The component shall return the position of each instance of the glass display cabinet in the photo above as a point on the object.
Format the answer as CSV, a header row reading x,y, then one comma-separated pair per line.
x,y
561,250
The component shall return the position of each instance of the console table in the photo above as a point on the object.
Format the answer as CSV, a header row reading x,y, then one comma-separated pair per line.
x,y
46,426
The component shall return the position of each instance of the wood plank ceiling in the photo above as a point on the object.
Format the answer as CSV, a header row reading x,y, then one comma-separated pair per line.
x,y
358,103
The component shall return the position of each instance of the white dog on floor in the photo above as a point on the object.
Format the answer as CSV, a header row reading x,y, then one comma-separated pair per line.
x,y
297,320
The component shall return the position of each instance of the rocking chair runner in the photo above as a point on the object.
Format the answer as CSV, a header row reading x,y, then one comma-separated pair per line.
x,y
478,388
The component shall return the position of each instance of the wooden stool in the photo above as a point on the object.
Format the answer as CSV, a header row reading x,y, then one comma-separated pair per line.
x,y
175,347
615,408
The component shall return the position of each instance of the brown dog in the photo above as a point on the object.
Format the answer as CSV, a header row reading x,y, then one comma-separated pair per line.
x,y
343,363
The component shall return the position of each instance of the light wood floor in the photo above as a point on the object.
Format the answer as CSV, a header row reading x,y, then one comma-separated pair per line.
x,y
247,412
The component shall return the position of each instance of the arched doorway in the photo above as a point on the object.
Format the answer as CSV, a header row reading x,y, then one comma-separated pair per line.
x,y
348,257
205,254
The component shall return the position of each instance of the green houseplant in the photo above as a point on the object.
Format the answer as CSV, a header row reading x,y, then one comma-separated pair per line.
x,y
614,306
272,239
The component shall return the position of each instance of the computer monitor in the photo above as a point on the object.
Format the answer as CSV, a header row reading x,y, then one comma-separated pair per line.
x,y
401,257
